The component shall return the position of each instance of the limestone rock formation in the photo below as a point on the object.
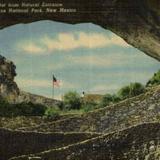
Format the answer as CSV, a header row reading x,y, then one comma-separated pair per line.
x,y
136,21
8,87
37,99
10,90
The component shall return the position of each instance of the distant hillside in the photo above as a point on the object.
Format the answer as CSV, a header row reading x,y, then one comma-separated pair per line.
x,y
95,98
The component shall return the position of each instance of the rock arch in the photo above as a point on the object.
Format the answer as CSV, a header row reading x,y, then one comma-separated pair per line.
x,y
137,22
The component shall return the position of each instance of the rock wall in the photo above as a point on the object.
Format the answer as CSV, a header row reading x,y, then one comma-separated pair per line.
x,y
8,87
22,121
140,142
13,143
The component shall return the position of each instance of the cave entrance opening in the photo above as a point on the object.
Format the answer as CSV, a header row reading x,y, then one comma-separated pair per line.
x,y
84,57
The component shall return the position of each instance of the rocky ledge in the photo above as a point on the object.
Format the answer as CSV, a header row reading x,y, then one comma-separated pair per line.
x,y
139,142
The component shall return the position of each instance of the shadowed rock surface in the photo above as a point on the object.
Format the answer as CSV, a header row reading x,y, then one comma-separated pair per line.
x,y
15,123
137,22
138,142
13,143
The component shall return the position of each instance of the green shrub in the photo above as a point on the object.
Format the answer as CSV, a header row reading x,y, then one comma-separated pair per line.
x,y
60,105
89,106
136,89
72,100
29,109
38,109
4,107
131,90
115,98
3,102
52,112
108,99
124,92
155,80
22,109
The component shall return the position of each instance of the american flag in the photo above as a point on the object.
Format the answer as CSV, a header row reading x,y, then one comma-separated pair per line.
x,y
56,82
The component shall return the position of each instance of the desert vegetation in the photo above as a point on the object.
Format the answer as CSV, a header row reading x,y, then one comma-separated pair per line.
x,y
155,80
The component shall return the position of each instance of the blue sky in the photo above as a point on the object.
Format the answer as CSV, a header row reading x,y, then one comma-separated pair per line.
x,y
84,57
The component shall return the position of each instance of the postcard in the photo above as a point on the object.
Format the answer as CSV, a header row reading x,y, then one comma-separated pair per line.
x,y
79,80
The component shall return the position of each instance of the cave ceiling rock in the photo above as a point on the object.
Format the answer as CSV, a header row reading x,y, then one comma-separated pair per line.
x,y
136,21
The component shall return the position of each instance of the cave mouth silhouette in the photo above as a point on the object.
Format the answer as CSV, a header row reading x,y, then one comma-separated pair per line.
x,y
137,22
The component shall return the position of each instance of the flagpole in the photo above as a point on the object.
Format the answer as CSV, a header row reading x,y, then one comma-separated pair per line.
x,y
53,90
